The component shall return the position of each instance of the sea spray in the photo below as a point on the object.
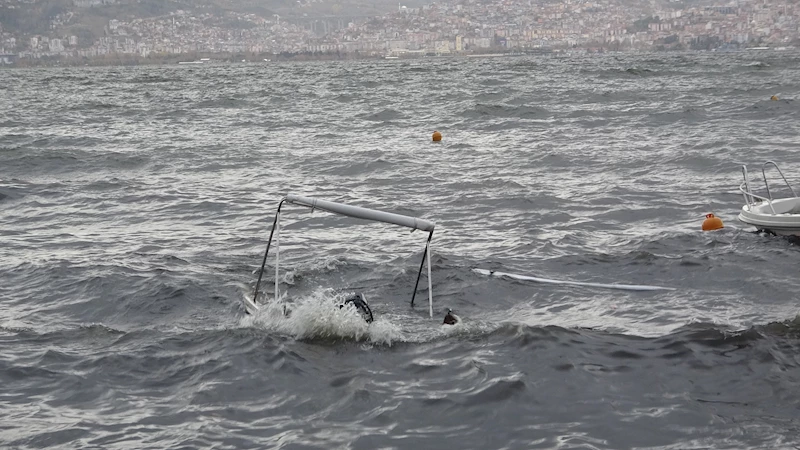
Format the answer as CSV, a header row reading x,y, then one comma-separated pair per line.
x,y
321,315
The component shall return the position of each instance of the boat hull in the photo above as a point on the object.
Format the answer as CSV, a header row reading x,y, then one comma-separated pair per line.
x,y
780,217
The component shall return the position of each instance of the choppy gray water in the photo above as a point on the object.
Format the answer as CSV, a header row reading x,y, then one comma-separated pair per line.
x,y
135,205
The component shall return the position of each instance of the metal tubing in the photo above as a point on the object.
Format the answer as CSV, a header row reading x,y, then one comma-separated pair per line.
x,y
748,196
264,262
430,284
361,213
763,172
277,252
421,265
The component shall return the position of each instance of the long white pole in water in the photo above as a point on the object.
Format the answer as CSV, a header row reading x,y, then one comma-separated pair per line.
x,y
624,287
277,252
430,283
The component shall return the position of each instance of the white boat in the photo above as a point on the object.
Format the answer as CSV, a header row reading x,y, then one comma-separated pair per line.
x,y
252,305
779,216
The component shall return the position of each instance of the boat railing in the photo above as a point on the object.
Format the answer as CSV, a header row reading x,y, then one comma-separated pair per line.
x,y
752,199
352,211
764,174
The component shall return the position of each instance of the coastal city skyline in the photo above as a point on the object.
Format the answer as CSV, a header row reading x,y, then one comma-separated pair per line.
x,y
457,27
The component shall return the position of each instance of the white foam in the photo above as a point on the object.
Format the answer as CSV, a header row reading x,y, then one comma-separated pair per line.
x,y
318,316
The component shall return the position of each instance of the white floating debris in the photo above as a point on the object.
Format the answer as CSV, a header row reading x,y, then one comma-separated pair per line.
x,y
625,287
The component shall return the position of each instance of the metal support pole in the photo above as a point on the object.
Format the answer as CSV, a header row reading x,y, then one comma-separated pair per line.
x,y
421,265
264,262
277,252
430,283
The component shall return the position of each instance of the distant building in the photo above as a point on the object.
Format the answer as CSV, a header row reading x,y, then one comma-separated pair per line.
x,y
396,44
56,45
7,59
90,3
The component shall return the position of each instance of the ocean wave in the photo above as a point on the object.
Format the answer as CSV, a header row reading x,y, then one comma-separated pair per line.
x,y
153,78
484,111
224,103
318,318
615,72
383,116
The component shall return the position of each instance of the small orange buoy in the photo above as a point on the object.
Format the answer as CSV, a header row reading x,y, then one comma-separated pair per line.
x,y
774,97
437,136
712,223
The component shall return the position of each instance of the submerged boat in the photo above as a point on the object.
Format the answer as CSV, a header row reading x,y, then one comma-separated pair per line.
x,y
779,216
358,300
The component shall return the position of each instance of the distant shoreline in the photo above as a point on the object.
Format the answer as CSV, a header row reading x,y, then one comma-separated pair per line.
x,y
191,60
217,58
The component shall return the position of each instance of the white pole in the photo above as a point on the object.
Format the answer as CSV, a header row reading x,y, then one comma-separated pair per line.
x,y
430,283
625,287
361,213
277,252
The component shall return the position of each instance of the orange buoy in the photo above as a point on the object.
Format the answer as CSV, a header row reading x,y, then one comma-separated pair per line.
x,y
437,136
712,223
774,97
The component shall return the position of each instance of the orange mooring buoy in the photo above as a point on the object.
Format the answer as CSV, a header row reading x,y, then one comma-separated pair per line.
x,y
437,136
712,223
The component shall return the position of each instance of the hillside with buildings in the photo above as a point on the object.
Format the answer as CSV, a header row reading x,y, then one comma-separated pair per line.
x,y
141,31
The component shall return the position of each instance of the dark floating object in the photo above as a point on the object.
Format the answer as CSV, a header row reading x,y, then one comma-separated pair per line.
x,y
450,318
361,305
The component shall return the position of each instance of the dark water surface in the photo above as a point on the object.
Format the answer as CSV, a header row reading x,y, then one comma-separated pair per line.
x,y
135,204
